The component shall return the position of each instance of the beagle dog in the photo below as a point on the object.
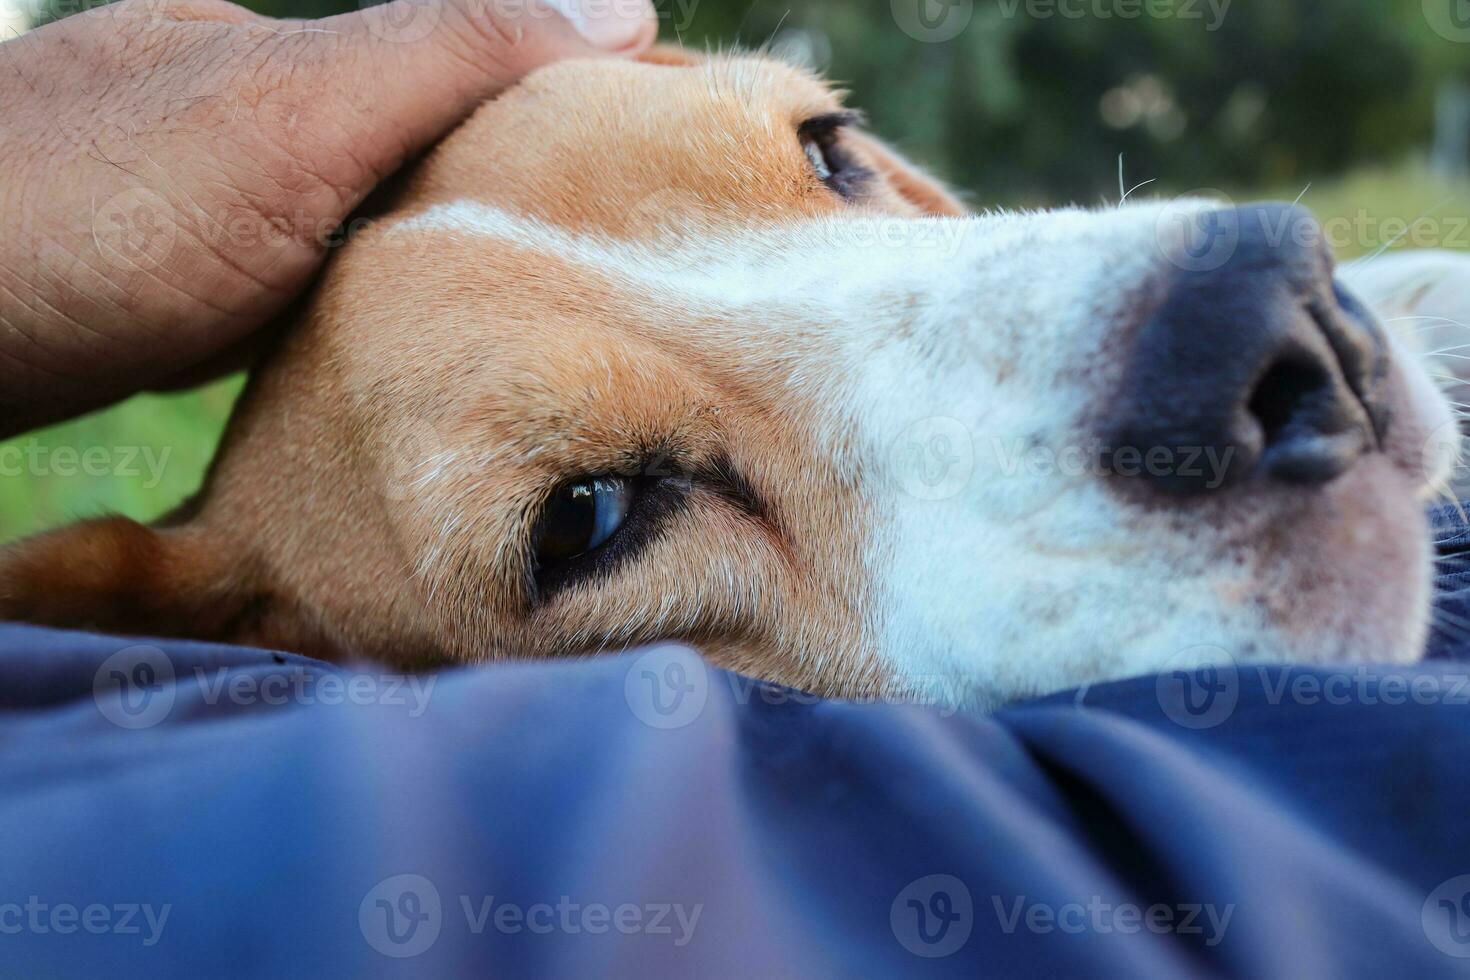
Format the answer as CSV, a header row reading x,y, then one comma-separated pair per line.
x,y
673,350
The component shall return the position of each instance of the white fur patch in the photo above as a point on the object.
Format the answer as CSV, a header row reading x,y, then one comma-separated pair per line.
x,y
958,359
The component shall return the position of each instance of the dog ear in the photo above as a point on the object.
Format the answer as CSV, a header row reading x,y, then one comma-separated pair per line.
x,y
1418,283
1424,299
116,575
919,190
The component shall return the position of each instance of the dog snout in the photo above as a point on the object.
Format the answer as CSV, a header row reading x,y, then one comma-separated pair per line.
x,y
1256,358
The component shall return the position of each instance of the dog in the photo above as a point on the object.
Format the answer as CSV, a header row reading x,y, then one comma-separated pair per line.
x,y
674,350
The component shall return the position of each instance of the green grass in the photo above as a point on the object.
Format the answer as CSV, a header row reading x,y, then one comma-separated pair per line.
x,y
1368,209
140,458
177,434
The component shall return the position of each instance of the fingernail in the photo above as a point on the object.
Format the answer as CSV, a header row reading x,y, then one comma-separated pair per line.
x,y
610,24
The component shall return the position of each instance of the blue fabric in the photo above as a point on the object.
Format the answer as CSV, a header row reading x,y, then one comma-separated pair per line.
x,y
172,809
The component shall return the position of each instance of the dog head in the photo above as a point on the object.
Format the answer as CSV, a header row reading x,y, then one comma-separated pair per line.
x,y
674,351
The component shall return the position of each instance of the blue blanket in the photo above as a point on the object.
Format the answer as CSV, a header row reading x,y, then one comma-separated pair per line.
x,y
173,809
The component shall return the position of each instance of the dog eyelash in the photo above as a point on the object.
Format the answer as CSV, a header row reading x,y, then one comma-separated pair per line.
x,y
829,122
833,163
656,501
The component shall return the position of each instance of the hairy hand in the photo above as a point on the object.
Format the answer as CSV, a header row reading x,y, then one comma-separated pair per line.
x,y
173,169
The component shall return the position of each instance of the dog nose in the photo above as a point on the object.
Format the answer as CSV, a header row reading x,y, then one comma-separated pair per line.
x,y
1256,360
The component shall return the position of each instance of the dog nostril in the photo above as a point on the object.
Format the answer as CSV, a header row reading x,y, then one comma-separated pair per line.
x,y
1305,438
1280,396
1261,363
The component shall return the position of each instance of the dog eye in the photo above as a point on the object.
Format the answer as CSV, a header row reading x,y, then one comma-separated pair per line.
x,y
818,158
821,141
582,517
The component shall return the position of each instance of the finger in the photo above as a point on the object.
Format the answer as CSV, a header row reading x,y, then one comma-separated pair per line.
x,y
414,68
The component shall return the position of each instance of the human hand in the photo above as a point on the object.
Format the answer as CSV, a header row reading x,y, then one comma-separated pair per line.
x,y
173,169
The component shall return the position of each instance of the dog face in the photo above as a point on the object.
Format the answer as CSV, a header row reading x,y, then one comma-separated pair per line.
x,y
673,351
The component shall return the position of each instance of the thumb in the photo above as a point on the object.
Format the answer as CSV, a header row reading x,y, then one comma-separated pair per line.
x,y
598,26
409,70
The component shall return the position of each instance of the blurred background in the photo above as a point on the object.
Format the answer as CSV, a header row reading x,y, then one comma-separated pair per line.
x,y
1359,107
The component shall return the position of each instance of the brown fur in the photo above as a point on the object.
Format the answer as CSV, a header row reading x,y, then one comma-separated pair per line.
x,y
377,486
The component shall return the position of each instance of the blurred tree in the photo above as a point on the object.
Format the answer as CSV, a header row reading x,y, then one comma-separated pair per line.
x,y
1033,100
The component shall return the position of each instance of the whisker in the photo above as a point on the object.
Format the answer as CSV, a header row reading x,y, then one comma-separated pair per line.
x,y
1364,263
770,41
1124,190
1449,633
1445,495
1443,617
1453,620
1436,319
